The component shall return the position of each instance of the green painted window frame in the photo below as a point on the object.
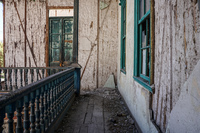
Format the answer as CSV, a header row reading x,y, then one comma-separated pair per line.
x,y
139,22
123,37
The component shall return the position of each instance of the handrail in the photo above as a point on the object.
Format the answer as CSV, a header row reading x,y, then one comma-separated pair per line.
x,y
47,99
13,78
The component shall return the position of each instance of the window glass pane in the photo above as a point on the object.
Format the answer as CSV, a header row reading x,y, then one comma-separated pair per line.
x,y
141,8
68,54
55,39
124,28
147,5
55,54
143,35
125,13
55,26
144,61
68,41
148,62
61,12
149,35
68,26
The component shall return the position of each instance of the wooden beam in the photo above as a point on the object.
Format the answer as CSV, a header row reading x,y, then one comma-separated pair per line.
x,y
4,32
60,7
25,59
47,35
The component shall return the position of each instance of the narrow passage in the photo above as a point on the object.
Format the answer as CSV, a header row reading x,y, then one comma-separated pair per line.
x,y
98,111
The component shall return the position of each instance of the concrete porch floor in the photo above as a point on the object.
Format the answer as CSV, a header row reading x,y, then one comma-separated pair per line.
x,y
100,111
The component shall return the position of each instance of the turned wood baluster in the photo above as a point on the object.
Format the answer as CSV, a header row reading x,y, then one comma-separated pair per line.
x,y
32,71
0,81
62,91
42,72
5,75
37,71
45,108
21,77
52,100
16,87
42,110
56,98
32,115
54,71
10,115
2,116
26,114
26,76
10,76
37,111
49,103
19,128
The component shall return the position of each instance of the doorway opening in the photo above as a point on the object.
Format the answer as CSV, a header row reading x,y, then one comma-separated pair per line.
x,y
60,37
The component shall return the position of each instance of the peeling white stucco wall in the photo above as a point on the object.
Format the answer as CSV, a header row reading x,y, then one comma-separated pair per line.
x,y
97,26
135,96
177,51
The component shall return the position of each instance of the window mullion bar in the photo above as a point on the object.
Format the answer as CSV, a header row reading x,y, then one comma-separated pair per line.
x,y
140,51
146,45
144,6
144,17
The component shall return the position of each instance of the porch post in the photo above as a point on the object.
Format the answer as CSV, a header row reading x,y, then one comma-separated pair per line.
x,y
75,33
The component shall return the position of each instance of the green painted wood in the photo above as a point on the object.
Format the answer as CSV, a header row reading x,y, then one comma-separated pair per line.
x,y
138,48
144,17
60,40
145,85
123,35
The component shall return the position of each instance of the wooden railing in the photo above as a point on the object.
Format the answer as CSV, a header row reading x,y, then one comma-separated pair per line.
x,y
40,105
14,78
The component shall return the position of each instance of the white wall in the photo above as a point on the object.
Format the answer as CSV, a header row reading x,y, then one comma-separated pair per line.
x,y
136,96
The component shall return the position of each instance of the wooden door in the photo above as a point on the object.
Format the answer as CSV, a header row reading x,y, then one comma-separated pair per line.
x,y
60,41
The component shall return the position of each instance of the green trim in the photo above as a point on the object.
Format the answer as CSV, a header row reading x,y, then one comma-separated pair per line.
x,y
123,35
138,76
141,82
123,71
136,59
144,17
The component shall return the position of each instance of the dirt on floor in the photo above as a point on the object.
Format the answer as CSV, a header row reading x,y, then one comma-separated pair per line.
x,y
100,111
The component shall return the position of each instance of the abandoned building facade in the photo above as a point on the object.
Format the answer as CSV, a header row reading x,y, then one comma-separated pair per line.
x,y
152,47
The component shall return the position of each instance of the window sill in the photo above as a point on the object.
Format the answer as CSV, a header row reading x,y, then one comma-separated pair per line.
x,y
123,71
142,82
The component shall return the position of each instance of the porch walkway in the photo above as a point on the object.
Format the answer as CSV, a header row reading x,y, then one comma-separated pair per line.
x,y
98,111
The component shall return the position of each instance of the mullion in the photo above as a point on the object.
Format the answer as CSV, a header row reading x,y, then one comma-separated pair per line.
x,y
144,6
140,51
146,45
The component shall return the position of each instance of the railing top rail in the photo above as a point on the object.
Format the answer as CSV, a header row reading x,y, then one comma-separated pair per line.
x,y
20,93
35,67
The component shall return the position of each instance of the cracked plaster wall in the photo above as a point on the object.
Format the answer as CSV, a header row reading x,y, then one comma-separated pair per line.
x,y
177,51
88,35
15,38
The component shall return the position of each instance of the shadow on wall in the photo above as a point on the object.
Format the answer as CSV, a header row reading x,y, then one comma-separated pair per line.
x,y
185,115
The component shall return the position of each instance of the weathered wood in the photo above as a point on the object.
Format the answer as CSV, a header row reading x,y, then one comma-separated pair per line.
x,y
19,127
26,114
44,101
75,31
